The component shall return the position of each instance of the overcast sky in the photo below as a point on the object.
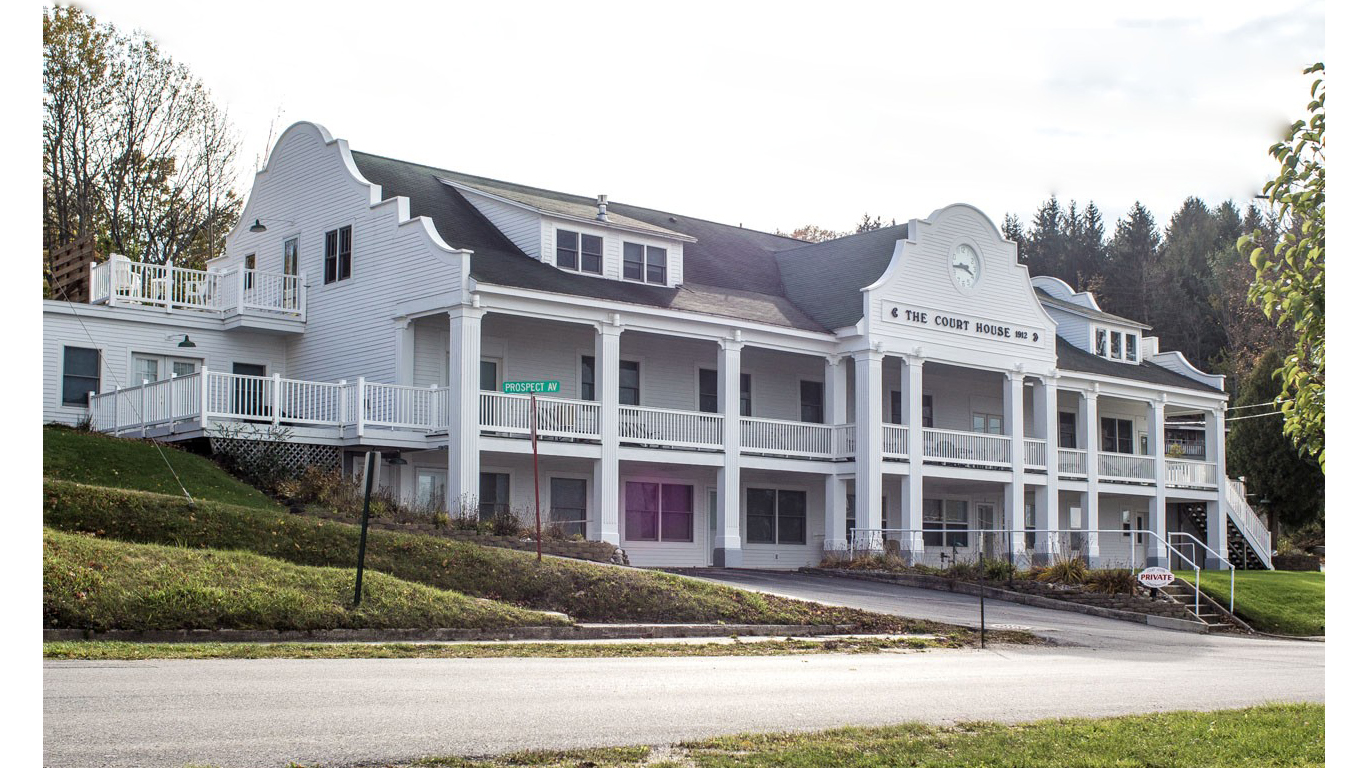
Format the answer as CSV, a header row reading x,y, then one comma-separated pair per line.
x,y
777,115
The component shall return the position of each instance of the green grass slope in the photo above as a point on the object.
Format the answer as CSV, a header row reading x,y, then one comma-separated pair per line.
x,y
92,583
586,591
1279,602
119,462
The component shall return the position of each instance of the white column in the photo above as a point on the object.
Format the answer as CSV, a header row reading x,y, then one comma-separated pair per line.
x,y
1013,391
1046,502
403,351
462,479
1157,505
1216,516
607,472
868,459
836,407
836,497
836,399
913,485
727,547
1088,421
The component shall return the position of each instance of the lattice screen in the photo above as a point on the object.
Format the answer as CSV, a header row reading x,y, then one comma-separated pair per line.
x,y
296,456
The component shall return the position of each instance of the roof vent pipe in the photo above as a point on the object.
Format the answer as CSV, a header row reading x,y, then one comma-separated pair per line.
x,y
602,207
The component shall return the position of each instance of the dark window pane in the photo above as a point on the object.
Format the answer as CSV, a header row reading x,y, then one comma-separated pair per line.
x,y
1130,347
493,494
1067,429
760,505
1100,342
707,400
567,249
896,407
745,400
80,374
676,513
592,254
633,261
927,412
813,402
630,383
488,375
569,505
1125,430
587,378
1115,344
642,511
344,254
791,517
330,257
657,265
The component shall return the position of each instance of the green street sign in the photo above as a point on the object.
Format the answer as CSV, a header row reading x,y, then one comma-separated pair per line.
x,y
531,387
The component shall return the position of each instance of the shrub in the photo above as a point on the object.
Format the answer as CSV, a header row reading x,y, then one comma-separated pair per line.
x,y
1071,571
998,570
1113,581
961,571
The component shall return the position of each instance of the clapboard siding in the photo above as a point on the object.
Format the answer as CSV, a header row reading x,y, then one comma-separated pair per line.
x,y
519,225
119,333
351,328
612,240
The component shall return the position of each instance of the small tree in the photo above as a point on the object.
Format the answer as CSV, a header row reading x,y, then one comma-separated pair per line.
x,y
1290,279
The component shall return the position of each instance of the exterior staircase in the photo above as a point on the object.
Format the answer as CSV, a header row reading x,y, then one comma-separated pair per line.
x,y
1249,542
1203,610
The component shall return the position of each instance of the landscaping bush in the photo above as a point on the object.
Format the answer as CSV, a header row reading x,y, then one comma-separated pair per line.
x,y
1112,581
1072,571
998,570
585,591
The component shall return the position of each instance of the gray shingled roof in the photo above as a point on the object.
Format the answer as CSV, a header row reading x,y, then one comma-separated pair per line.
x,y
1071,358
578,209
1095,314
826,279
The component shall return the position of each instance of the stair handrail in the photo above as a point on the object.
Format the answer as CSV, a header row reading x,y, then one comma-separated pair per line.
x,y
1232,569
1252,527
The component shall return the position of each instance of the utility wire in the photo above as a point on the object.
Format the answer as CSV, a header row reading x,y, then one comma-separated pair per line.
x,y
118,386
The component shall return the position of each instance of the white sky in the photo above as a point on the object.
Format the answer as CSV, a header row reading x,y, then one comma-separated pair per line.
x,y
777,115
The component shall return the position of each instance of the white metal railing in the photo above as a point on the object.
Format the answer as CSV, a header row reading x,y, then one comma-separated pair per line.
x,y
1247,521
1125,466
121,281
665,426
1193,543
896,440
1036,453
786,438
975,448
1192,474
556,417
1071,462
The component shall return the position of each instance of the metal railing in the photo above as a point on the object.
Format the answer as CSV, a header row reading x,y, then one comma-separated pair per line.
x,y
1194,541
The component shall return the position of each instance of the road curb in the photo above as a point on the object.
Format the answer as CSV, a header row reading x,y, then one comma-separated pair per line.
x,y
576,632
931,582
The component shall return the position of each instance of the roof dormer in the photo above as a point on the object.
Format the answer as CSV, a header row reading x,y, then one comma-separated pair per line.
x,y
1083,324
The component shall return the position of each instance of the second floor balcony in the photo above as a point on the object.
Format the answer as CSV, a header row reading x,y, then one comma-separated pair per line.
x,y
241,297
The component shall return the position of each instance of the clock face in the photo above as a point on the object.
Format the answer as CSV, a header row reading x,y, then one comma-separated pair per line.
x,y
966,266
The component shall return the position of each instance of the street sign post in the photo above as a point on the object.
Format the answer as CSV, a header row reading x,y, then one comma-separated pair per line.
x,y
532,388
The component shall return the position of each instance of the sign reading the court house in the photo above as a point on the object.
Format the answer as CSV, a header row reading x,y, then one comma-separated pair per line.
x,y
1155,577
531,387
959,323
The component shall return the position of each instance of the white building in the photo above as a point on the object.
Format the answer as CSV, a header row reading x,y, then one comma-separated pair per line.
x,y
727,397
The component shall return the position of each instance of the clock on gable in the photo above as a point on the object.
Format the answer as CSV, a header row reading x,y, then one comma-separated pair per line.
x,y
965,267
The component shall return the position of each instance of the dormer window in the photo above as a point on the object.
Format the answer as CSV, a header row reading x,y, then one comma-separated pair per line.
x,y
577,251
1116,345
645,263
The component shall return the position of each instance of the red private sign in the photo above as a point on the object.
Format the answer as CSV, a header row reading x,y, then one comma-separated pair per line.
x,y
1156,577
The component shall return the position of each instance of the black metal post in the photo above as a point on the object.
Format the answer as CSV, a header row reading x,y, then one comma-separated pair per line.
x,y
981,600
364,522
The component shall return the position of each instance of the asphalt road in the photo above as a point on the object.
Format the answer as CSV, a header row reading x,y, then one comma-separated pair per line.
x,y
346,712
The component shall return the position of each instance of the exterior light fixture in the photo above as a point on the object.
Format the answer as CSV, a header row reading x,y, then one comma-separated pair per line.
x,y
395,459
184,340
258,227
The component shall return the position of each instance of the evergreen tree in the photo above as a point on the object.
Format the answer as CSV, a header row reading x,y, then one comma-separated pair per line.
x,y
1046,240
1014,231
1130,273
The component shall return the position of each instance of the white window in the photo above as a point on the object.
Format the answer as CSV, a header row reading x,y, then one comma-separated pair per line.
x,y
987,423
646,263
569,505
1116,344
158,367
946,523
577,251
658,512
431,489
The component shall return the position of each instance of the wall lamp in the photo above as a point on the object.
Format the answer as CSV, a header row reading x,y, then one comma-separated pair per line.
x,y
259,227
184,342
395,459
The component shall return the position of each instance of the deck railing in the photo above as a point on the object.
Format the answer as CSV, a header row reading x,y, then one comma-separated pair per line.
x,y
402,407
121,281
843,441
668,427
1192,474
973,448
1036,453
1124,466
896,441
1071,462
150,404
1247,521
786,438
556,417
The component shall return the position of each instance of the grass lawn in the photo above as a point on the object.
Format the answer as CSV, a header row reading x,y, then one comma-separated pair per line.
x,y
108,651
120,462
585,591
1272,736
1279,602
92,583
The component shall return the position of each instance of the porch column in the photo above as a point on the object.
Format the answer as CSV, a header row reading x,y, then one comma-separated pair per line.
x,y
836,407
607,357
1088,423
868,460
1157,505
1216,516
1015,493
1046,503
462,479
913,485
727,547
403,351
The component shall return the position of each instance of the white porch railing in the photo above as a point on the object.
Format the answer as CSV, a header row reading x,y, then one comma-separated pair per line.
x,y
1247,521
843,441
556,417
975,448
1126,467
1192,474
1036,453
668,427
401,407
121,281
896,441
786,438
150,404
1071,462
